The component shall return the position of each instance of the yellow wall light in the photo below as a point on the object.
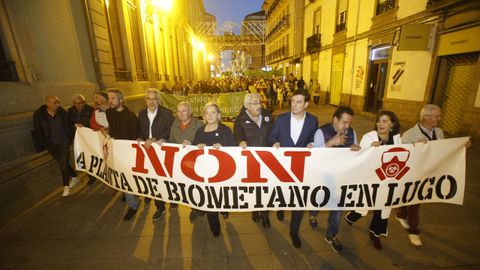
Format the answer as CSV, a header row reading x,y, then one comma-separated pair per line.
x,y
163,5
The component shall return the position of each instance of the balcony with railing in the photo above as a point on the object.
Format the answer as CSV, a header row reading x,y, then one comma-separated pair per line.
x,y
340,27
385,6
122,75
272,8
142,75
8,72
277,55
283,23
313,43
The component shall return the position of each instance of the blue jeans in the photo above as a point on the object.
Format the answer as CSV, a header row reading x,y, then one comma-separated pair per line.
x,y
334,218
132,200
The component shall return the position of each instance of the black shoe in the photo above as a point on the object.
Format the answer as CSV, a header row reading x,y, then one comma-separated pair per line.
x,y
280,215
265,222
130,213
255,216
313,221
296,242
158,214
348,221
376,241
216,233
225,215
173,205
147,200
336,246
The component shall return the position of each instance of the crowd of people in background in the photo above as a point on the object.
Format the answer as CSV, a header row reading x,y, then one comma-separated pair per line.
x,y
273,91
254,126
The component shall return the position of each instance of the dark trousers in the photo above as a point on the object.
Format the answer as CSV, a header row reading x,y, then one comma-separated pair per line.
x,y
378,226
160,205
296,220
410,213
316,99
61,154
213,222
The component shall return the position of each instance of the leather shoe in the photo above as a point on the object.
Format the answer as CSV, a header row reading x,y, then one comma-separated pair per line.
x,y
296,242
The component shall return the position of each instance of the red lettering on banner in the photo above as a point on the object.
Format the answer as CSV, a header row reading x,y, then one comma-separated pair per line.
x,y
155,161
139,159
253,169
226,166
188,165
297,165
274,165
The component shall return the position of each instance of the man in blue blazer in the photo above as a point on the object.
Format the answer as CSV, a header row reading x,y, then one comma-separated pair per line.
x,y
295,129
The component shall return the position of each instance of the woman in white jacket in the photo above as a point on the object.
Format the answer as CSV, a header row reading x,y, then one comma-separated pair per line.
x,y
386,132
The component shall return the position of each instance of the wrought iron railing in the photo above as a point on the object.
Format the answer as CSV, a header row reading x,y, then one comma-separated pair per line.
x,y
313,43
385,6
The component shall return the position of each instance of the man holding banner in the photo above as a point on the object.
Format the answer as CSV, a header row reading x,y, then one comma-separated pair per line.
x,y
251,128
155,122
123,125
339,133
295,129
426,130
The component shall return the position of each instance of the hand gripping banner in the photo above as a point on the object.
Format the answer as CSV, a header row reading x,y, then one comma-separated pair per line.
x,y
266,178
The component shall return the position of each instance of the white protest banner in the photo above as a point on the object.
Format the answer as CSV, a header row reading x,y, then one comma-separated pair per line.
x,y
261,178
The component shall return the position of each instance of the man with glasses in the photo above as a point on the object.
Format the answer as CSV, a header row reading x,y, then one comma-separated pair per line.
x,y
251,128
426,130
155,123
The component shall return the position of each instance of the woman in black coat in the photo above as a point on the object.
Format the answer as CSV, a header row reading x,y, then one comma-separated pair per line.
x,y
215,134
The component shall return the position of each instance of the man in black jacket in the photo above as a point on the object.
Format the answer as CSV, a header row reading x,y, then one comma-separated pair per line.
x,y
251,128
122,125
55,132
155,124
80,114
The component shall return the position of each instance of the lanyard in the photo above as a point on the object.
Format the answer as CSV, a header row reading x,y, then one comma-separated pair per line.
x,y
434,136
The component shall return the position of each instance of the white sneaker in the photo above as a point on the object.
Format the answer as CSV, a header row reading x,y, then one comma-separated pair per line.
x,y
415,239
403,222
66,191
74,182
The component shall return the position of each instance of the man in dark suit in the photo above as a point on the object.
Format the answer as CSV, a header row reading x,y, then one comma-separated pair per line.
x,y
155,123
295,129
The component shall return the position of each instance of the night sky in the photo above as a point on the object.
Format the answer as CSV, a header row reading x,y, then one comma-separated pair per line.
x,y
232,10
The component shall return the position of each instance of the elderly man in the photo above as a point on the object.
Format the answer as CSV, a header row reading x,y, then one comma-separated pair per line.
x,y
80,113
155,123
55,132
338,133
182,132
123,125
251,128
295,129
426,130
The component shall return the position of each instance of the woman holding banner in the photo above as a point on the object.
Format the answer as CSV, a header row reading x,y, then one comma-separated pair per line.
x,y
215,134
386,132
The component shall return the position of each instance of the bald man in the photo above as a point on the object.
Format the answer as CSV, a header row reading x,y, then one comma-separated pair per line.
x,y
55,132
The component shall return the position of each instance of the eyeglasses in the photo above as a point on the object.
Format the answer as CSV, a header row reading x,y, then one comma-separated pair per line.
x,y
255,103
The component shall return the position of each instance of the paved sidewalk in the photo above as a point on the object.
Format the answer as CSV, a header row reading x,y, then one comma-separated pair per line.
x,y
86,231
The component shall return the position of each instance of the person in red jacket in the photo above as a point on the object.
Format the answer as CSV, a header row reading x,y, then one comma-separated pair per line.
x,y
98,121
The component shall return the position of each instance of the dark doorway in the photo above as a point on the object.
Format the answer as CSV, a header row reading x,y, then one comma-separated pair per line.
x,y
376,85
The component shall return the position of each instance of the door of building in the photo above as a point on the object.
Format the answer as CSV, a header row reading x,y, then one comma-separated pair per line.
x,y
336,80
376,85
454,85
